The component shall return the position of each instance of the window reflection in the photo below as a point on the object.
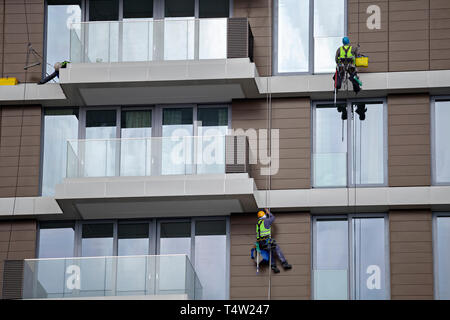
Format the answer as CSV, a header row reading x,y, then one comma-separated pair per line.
x,y
97,240
56,240
442,142
443,257
60,125
60,16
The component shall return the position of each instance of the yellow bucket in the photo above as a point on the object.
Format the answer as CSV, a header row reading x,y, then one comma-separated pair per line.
x,y
8,81
362,62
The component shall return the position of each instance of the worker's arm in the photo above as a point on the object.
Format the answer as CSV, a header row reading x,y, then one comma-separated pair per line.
x,y
355,51
269,220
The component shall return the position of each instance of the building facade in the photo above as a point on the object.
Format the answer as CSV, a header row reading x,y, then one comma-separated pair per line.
x,y
139,170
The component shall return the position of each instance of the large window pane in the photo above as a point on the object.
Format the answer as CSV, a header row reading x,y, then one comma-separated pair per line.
x,y
177,146
442,142
330,147
133,239
443,257
211,254
370,258
135,149
56,240
97,240
293,36
329,28
368,135
330,268
103,10
212,129
60,16
100,157
137,9
59,126
175,238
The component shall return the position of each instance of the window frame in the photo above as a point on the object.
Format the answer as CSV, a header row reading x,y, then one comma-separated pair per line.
x,y
351,263
434,231
154,236
350,141
433,146
311,70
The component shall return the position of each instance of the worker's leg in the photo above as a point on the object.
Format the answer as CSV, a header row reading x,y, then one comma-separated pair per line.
x,y
49,77
277,250
354,79
340,76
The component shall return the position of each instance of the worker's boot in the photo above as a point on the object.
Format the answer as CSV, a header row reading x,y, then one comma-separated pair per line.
x,y
275,269
343,109
361,111
286,265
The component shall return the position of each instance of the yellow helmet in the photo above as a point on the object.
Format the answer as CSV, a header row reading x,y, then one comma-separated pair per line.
x,y
261,214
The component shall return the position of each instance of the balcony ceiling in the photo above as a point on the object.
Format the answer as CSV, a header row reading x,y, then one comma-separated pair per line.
x,y
157,82
157,196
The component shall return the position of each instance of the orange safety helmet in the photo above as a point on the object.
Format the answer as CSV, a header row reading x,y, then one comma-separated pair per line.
x,y
261,214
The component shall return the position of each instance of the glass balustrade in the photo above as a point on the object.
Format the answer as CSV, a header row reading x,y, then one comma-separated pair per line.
x,y
158,275
148,40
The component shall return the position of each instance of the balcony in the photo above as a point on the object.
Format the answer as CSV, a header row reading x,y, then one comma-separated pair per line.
x,y
132,277
160,61
156,176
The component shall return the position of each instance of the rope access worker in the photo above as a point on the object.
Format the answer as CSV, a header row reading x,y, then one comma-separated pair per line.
x,y
57,66
264,239
345,60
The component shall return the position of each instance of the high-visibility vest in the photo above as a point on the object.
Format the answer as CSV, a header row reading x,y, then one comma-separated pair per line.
x,y
346,52
262,231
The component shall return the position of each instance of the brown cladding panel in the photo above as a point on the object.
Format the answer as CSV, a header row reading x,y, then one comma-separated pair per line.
x,y
411,254
20,135
259,13
291,116
409,140
292,232
17,242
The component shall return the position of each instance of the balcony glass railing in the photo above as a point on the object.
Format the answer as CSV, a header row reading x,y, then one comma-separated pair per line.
x,y
145,156
149,40
111,276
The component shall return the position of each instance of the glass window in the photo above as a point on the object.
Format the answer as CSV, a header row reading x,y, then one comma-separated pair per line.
x,y
362,155
177,146
103,10
330,270
441,142
60,125
56,240
330,147
211,255
60,16
293,36
212,129
175,238
442,244
214,9
329,28
100,157
97,240
133,9
133,239
179,8
135,148
350,267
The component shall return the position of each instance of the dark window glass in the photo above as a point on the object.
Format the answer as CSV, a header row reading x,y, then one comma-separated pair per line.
x,y
213,117
175,230
174,116
103,10
101,118
63,2
180,8
98,230
133,230
210,228
136,119
133,9
214,8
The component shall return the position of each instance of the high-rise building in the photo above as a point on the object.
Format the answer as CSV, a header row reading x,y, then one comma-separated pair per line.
x,y
139,170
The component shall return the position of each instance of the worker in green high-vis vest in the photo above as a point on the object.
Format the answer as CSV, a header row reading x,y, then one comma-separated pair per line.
x,y
265,240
